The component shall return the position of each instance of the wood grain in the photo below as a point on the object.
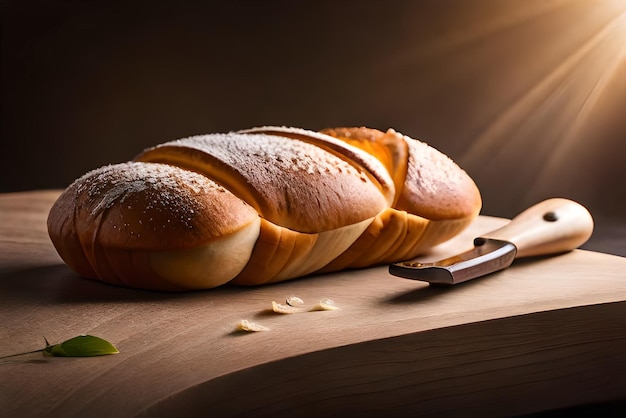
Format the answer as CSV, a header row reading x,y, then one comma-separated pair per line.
x,y
545,333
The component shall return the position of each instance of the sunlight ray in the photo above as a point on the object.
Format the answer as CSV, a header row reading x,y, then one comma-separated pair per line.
x,y
498,137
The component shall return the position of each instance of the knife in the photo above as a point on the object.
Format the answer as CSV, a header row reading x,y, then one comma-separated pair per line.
x,y
549,227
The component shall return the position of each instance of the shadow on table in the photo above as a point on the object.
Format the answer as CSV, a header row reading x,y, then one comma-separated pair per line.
x,y
58,284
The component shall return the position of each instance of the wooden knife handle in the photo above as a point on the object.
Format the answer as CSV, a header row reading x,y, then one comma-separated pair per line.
x,y
552,226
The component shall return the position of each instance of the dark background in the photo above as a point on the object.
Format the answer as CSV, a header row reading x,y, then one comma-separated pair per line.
x,y
528,96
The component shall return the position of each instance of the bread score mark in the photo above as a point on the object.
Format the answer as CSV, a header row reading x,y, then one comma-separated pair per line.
x,y
281,254
226,256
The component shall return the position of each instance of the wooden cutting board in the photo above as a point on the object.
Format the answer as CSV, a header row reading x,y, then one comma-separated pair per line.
x,y
545,333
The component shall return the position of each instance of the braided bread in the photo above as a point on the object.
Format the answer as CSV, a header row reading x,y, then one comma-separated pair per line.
x,y
259,206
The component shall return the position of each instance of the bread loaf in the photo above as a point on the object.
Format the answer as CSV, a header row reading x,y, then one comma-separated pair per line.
x,y
259,206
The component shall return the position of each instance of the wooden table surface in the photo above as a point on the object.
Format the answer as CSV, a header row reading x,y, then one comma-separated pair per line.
x,y
545,333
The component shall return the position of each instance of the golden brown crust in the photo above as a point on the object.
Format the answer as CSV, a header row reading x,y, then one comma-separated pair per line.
x,y
436,187
275,249
291,183
389,148
360,159
148,206
106,218
428,183
264,205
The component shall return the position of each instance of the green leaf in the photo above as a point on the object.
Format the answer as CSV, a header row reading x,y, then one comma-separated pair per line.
x,y
81,346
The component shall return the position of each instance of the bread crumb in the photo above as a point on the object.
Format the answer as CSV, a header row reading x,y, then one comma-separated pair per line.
x,y
286,309
293,304
325,305
249,326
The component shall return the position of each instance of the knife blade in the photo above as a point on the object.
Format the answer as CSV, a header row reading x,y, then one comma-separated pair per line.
x,y
550,227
